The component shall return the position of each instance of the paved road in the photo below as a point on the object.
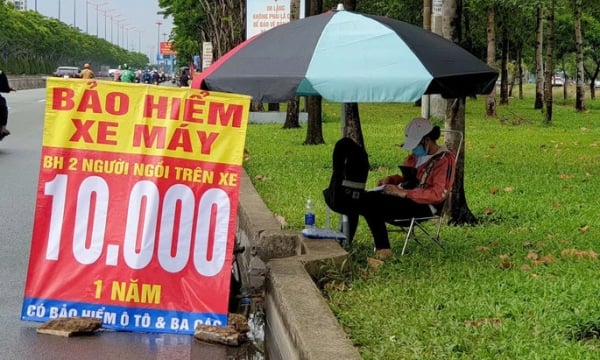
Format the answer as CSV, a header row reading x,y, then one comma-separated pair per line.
x,y
19,165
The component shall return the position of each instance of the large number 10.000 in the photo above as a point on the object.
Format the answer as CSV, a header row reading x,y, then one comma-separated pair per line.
x,y
143,201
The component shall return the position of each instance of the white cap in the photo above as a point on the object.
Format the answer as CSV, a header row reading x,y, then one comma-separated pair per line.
x,y
414,132
340,7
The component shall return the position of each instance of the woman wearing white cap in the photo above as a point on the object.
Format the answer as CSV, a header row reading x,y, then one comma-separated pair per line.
x,y
398,198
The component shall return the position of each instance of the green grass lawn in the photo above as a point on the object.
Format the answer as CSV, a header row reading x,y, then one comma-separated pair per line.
x,y
521,284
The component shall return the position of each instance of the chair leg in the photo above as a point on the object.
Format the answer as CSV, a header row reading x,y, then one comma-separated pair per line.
x,y
409,233
436,238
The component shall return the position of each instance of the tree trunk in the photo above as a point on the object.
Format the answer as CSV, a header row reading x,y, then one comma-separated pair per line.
x,y
539,60
579,77
293,109
456,207
565,78
504,65
314,103
352,127
520,70
314,129
437,104
292,116
226,19
549,68
491,58
426,99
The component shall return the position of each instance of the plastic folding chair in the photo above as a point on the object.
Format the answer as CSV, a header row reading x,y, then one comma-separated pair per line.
x,y
409,225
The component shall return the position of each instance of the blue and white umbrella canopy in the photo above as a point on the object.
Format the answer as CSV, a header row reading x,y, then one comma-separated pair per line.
x,y
348,57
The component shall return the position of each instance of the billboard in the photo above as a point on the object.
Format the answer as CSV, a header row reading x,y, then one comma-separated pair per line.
x,y
165,48
262,15
136,205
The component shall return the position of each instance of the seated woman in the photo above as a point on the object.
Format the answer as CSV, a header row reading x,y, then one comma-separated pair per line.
x,y
397,200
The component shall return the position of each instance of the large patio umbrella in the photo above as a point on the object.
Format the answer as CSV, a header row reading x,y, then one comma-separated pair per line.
x,y
348,57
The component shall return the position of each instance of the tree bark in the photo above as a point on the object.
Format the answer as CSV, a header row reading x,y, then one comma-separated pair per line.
x,y
314,129
579,77
539,60
490,108
437,104
426,99
293,109
226,21
456,208
314,103
352,127
504,64
549,69
520,70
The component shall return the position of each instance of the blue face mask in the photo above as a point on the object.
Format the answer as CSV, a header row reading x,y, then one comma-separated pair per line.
x,y
419,151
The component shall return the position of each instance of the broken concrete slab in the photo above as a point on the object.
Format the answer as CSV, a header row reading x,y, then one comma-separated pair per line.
x,y
70,326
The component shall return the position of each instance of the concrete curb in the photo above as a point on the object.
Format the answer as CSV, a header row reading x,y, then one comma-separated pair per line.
x,y
299,320
27,82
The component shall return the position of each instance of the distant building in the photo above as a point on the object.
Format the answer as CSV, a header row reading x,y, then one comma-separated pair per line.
x,y
19,4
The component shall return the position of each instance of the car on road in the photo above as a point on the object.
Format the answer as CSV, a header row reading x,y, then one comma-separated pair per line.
x,y
68,72
557,81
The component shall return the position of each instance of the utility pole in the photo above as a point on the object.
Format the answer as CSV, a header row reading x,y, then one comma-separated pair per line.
x,y
158,22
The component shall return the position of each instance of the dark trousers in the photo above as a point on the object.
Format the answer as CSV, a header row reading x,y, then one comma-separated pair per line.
x,y
378,209
3,111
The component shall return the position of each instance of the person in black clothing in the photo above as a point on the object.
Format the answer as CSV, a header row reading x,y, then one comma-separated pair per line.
x,y
184,79
4,88
346,187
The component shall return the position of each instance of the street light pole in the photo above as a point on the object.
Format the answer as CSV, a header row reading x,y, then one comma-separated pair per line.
x,y
118,24
139,40
158,22
97,12
106,12
128,44
74,16
58,10
112,19
124,46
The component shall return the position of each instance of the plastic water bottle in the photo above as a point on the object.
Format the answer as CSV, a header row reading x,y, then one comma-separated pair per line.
x,y
245,306
245,302
309,215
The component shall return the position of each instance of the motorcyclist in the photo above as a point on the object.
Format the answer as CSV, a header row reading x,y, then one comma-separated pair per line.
x,y
155,77
4,88
87,72
117,74
146,76
127,75
184,79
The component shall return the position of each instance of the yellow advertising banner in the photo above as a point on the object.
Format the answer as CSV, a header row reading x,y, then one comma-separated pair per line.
x,y
151,120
